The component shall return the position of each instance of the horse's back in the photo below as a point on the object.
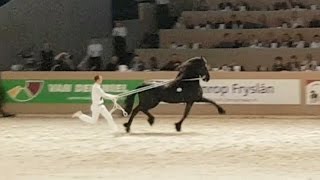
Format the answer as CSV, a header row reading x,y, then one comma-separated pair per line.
x,y
181,92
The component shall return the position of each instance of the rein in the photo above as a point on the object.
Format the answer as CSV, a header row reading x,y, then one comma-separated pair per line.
x,y
116,106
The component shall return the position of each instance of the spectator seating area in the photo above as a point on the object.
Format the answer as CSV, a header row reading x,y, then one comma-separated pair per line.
x,y
249,33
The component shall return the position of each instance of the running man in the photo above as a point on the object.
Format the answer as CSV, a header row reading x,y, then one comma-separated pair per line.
x,y
97,106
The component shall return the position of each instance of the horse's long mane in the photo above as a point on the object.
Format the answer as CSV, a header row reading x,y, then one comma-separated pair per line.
x,y
186,65
189,61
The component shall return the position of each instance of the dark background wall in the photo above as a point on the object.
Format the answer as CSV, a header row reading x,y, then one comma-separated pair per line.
x,y
125,9
66,24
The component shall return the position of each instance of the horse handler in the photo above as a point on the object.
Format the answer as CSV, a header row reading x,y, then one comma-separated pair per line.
x,y
97,106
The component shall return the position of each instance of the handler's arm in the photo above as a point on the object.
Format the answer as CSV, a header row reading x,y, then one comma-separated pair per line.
x,y
106,95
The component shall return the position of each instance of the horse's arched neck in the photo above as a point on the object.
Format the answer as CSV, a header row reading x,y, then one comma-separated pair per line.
x,y
186,77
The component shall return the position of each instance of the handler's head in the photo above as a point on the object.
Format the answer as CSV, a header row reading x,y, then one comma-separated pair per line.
x,y
98,79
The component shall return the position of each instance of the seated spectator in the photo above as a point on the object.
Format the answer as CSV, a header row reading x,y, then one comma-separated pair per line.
x,y
261,68
316,42
242,6
284,24
313,7
286,41
262,23
119,33
225,68
234,23
113,64
137,64
47,56
61,63
278,64
270,41
209,25
182,46
280,6
225,6
298,42
293,64
255,44
219,23
180,24
67,58
240,41
201,5
94,52
226,42
274,44
172,65
196,45
305,64
266,44
31,65
298,6
189,25
153,64
83,65
313,65
236,67
296,21
203,26
173,45
315,22
292,67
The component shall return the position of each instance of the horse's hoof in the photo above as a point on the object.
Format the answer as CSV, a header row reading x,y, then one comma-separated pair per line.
x,y
222,111
178,127
151,121
127,127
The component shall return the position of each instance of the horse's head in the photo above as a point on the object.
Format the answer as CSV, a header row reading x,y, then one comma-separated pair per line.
x,y
194,68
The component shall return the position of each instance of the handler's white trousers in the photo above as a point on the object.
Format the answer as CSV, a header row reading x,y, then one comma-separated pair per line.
x,y
96,111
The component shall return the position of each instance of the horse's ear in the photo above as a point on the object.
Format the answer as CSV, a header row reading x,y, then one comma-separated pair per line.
x,y
204,59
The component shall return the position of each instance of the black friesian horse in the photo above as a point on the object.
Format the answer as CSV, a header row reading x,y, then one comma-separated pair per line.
x,y
184,89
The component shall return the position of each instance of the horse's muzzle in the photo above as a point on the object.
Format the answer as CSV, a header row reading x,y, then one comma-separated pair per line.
x,y
206,78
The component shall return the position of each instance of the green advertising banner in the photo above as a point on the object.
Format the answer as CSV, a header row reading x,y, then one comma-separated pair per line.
x,y
61,91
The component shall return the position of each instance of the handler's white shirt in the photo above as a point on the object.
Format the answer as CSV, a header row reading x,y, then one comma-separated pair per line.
x,y
97,95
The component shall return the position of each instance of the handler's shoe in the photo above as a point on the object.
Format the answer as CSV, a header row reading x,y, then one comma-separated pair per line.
x,y
77,114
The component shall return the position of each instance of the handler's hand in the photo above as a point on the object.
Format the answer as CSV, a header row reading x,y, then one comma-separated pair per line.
x,y
114,97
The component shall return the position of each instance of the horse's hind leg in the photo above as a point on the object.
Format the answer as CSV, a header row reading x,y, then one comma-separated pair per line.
x,y
185,114
133,114
150,117
220,109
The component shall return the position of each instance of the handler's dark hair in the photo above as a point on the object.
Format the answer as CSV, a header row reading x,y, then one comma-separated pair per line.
x,y
96,78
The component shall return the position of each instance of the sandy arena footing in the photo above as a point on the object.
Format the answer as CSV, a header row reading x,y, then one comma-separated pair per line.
x,y
219,148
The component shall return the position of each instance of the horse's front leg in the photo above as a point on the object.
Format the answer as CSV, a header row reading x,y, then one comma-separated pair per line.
x,y
128,124
220,109
185,114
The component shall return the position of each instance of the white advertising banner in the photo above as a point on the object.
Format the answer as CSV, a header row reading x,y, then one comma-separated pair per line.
x,y
312,92
253,91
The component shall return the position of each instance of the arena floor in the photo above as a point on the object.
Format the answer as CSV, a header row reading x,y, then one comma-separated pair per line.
x,y
219,148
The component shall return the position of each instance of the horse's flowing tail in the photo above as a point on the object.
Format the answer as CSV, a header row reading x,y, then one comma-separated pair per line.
x,y
129,103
